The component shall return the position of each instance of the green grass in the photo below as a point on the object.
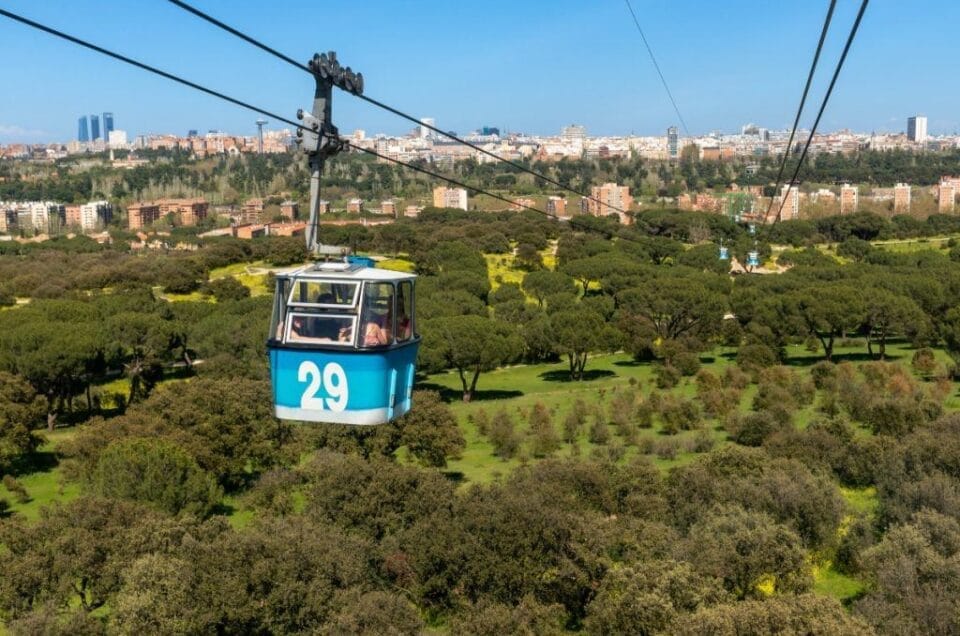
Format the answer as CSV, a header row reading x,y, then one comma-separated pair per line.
x,y
828,582
397,265
45,482
861,501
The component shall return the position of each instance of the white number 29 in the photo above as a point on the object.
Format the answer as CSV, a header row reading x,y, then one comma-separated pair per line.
x,y
333,377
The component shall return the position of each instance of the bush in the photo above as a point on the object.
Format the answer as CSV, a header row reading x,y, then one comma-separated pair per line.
x,y
157,472
687,363
752,358
16,488
679,414
599,432
823,374
667,375
924,361
751,429
503,435
545,440
666,448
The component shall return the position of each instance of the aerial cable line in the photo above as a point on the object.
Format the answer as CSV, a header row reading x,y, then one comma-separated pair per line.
x,y
208,91
826,98
145,67
656,66
289,60
803,100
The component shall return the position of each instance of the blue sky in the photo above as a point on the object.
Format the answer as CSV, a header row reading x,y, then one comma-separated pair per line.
x,y
523,65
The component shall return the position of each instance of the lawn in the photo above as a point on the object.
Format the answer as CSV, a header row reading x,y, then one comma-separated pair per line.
x,y
43,478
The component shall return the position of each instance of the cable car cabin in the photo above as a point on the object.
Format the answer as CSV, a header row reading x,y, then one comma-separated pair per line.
x,y
343,344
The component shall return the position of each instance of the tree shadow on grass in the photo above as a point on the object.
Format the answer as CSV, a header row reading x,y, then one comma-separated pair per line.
x,y
455,477
456,395
561,375
38,462
630,363
840,357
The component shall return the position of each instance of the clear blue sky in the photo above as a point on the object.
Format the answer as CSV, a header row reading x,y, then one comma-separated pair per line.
x,y
524,65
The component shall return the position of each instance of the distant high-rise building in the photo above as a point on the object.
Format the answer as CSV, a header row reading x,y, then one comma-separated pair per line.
x,y
192,133
107,125
901,197
610,198
426,133
789,202
917,129
83,132
573,134
557,206
94,127
449,198
849,198
946,195
673,143
490,130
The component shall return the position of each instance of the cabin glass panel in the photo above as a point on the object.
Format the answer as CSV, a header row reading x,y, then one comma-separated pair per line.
x,y
325,329
404,326
279,317
377,317
324,293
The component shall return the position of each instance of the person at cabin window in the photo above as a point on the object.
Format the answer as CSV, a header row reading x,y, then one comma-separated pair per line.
x,y
375,335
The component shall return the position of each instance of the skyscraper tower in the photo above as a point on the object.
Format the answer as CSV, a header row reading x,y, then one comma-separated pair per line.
x,y
260,124
107,125
673,143
917,129
83,133
94,127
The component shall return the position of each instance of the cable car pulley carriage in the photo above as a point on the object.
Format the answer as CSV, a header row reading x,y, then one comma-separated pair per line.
x,y
343,342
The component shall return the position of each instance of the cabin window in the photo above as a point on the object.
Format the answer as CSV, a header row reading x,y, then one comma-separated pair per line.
x,y
279,317
323,293
377,318
321,329
404,326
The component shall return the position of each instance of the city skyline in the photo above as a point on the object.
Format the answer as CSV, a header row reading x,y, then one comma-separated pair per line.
x,y
745,63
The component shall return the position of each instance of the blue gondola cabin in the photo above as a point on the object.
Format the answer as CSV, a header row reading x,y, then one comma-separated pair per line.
x,y
343,344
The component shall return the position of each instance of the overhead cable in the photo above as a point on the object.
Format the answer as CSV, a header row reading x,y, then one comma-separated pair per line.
x,y
289,60
826,98
653,59
803,100
208,91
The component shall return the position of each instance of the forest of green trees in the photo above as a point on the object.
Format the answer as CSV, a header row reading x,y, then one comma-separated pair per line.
x,y
231,180
368,532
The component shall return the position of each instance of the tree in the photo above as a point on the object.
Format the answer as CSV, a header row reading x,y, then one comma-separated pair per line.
x,y
578,331
156,472
20,410
673,306
800,614
472,344
541,284
829,311
888,313
746,549
429,430
647,598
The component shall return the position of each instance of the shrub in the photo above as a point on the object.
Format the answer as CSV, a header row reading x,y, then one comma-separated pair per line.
x,y
503,435
666,448
823,374
752,358
751,429
16,488
924,361
157,472
545,440
687,363
667,375
599,433
679,414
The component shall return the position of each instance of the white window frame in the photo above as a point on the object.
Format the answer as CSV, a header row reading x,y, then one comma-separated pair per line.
x,y
296,303
307,340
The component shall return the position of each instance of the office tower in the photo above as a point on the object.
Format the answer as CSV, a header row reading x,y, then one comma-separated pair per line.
x,y
917,129
901,197
426,133
849,198
790,202
673,143
94,127
107,125
83,132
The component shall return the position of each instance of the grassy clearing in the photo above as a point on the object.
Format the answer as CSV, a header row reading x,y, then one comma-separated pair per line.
x,y
44,481
397,265
828,582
